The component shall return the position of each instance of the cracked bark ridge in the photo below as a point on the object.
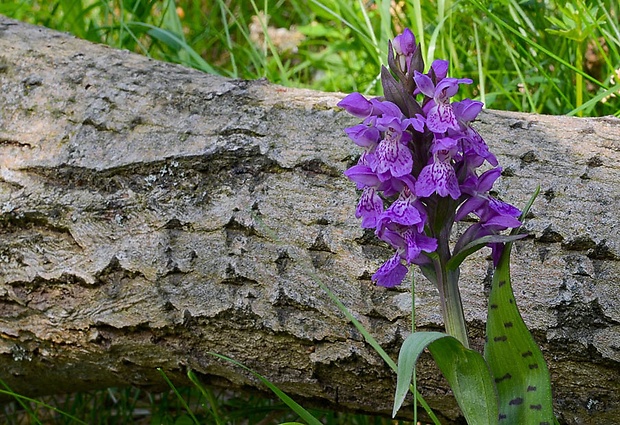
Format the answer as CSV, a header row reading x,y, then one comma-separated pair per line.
x,y
150,214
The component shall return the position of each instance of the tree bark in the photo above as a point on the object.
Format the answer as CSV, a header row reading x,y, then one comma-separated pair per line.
x,y
151,214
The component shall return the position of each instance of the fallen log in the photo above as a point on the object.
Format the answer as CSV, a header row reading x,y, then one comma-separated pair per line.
x,y
151,214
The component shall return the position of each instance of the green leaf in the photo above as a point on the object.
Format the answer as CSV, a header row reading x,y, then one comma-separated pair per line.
x,y
516,362
465,370
456,260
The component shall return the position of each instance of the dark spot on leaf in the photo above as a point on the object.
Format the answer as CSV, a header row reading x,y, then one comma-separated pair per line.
x,y
500,338
536,406
531,388
503,378
515,401
494,306
527,354
511,300
533,366
508,325
502,283
502,416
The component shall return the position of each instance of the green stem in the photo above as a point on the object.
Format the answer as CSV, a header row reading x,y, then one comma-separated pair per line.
x,y
450,296
448,281
579,77
413,379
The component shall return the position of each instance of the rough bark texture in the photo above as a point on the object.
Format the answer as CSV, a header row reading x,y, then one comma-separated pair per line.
x,y
151,213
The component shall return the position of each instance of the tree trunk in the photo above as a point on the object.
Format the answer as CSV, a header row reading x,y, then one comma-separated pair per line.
x,y
151,214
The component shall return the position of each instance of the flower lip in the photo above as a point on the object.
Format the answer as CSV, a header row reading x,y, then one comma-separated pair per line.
x,y
391,273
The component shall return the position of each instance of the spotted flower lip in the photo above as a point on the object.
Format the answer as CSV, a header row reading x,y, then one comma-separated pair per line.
x,y
441,116
418,170
369,208
438,177
391,273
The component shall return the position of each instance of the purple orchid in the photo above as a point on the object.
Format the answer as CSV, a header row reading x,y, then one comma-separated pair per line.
x,y
440,116
418,172
438,177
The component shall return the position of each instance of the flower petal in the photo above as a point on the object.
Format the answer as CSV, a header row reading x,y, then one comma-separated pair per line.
x,y
391,273
356,104
402,211
424,83
440,68
369,208
438,177
441,118
404,44
394,158
363,135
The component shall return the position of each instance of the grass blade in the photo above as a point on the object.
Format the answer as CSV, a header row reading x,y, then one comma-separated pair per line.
x,y
22,399
374,344
176,392
298,409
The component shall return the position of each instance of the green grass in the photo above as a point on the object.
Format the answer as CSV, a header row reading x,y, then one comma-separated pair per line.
x,y
524,55
179,406
541,56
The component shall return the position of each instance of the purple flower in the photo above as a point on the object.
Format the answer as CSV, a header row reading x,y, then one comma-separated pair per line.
x,y
406,240
491,211
438,177
440,69
417,143
440,116
466,111
477,187
356,105
406,211
500,213
363,175
369,208
404,46
392,156
391,273
363,135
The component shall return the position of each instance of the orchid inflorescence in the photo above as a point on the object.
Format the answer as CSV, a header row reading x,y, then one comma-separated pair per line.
x,y
418,172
